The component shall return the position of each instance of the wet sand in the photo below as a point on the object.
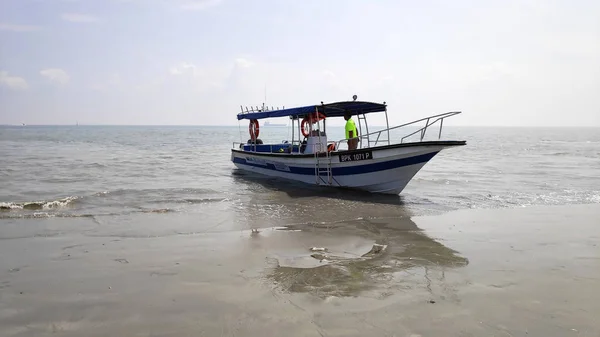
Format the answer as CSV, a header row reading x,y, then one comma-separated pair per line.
x,y
509,272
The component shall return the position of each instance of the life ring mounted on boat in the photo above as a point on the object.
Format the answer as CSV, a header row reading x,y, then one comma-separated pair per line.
x,y
312,119
254,129
304,127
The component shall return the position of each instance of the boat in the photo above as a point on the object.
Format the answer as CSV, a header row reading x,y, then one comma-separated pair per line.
x,y
377,165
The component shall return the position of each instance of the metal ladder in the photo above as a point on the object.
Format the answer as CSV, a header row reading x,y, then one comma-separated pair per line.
x,y
364,119
323,165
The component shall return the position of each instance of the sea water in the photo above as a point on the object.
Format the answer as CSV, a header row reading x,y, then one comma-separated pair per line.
x,y
109,171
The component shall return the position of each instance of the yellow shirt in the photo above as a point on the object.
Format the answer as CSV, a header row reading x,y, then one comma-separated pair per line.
x,y
350,126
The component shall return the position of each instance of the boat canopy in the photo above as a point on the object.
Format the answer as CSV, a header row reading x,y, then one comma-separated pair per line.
x,y
336,109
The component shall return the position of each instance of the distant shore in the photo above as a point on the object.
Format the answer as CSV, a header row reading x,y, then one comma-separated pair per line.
x,y
515,272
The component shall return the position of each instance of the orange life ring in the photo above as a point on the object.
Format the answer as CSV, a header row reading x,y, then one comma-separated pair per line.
x,y
316,117
254,129
303,127
331,147
312,118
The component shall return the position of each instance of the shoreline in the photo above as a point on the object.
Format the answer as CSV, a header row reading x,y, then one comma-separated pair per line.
x,y
531,271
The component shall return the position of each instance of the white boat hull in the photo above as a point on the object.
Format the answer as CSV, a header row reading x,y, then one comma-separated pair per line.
x,y
388,170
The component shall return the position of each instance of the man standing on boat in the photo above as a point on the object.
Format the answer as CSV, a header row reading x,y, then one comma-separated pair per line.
x,y
351,133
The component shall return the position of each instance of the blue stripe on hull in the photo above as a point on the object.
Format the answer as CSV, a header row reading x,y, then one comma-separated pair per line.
x,y
341,171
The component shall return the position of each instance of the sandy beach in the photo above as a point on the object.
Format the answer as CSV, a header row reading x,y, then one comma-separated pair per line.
x,y
509,272
200,168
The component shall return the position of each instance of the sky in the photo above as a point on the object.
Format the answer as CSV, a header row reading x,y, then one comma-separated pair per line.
x,y
194,62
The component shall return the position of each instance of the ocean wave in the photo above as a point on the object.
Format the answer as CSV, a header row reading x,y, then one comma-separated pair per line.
x,y
159,210
38,205
190,201
566,197
46,215
119,201
43,215
595,198
194,191
574,141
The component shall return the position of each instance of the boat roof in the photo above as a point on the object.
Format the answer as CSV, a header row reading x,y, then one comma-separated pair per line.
x,y
335,109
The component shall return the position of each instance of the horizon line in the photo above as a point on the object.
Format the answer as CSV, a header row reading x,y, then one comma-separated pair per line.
x,y
287,126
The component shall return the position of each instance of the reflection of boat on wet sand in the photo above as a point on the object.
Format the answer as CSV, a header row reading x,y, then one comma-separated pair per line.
x,y
346,266
404,256
378,165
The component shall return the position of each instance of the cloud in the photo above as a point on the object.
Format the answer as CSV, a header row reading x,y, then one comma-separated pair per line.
x,y
186,5
18,28
198,5
184,68
243,63
111,82
13,82
56,75
579,44
200,78
79,18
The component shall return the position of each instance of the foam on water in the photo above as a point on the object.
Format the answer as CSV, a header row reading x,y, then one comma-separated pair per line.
x,y
37,205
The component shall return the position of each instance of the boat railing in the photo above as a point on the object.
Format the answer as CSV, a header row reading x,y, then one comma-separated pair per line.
x,y
429,121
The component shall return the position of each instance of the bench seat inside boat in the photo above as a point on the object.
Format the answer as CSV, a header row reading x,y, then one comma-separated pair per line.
x,y
270,148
